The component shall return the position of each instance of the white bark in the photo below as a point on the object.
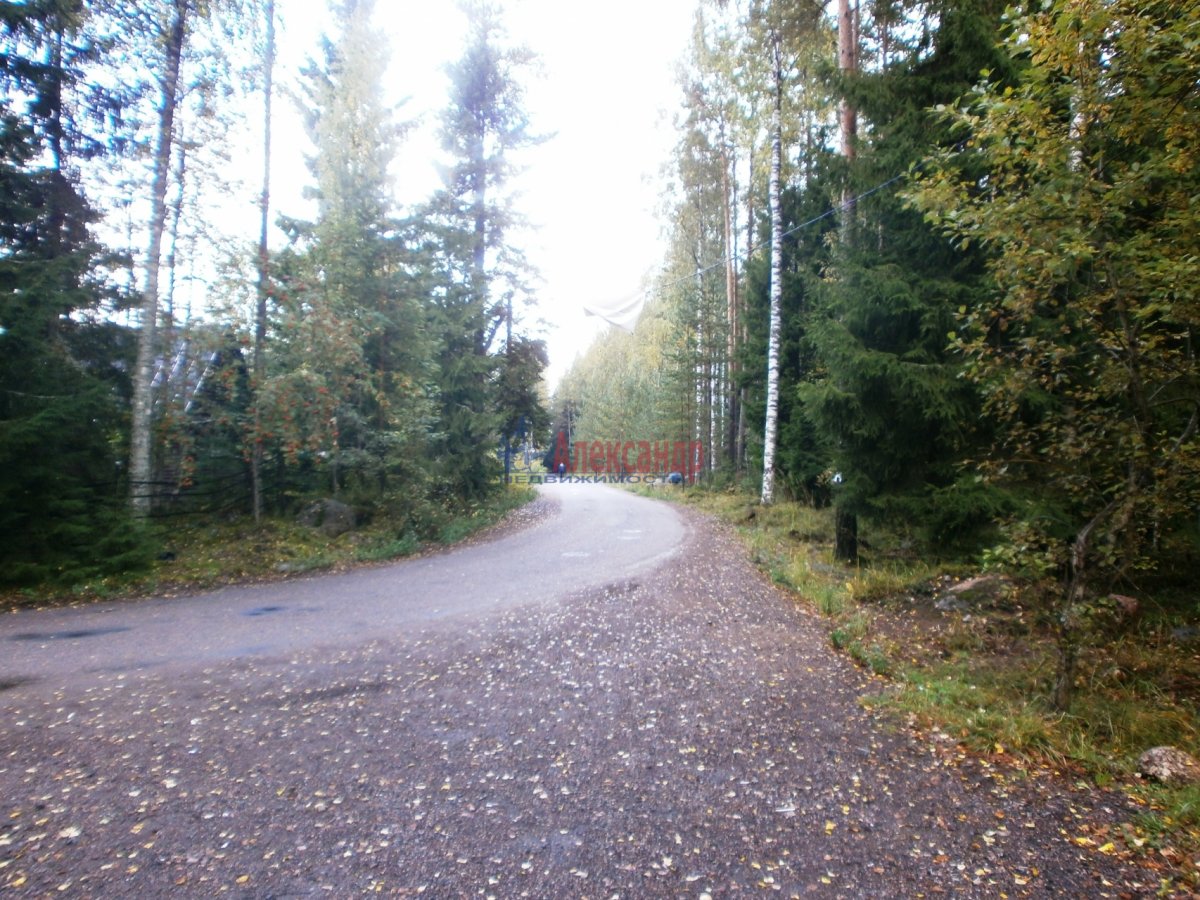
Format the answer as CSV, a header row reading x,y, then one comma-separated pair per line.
x,y
141,446
776,294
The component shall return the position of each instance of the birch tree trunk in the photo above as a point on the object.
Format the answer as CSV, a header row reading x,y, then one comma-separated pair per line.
x,y
776,296
260,313
730,397
141,444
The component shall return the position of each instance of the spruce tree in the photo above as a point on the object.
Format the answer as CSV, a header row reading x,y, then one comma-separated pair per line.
x,y
896,416
484,277
60,406
348,389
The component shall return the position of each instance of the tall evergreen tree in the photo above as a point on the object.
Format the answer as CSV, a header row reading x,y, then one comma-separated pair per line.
x,y
483,127
895,413
349,389
59,378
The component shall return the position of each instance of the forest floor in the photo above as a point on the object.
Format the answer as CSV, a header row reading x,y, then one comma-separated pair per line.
x,y
689,732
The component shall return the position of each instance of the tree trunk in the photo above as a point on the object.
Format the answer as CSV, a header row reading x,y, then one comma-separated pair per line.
x,y
1072,606
846,522
731,312
848,64
141,444
776,298
260,312
845,536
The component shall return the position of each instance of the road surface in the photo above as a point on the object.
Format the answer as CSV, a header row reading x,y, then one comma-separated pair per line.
x,y
610,704
599,534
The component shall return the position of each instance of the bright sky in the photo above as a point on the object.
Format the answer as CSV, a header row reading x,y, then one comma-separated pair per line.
x,y
606,92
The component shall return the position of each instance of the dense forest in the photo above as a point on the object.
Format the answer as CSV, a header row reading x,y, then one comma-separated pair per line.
x,y
935,265
931,264
379,357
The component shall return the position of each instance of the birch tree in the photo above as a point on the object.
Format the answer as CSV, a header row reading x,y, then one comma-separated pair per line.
x,y
172,37
771,424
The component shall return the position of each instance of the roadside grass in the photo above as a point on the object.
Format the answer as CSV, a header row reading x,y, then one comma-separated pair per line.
x,y
205,553
984,676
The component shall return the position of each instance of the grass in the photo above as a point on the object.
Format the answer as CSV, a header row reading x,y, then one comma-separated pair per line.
x,y
205,554
984,677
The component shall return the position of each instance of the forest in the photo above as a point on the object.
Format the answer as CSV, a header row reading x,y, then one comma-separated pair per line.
x,y
934,266
381,357
931,266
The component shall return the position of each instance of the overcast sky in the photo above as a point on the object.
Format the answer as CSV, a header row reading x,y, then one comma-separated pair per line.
x,y
606,92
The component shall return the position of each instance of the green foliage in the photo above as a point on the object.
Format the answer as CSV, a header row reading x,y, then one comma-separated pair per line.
x,y
347,391
887,398
60,406
1084,350
480,279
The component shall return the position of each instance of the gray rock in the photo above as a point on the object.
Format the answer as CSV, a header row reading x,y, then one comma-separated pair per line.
x,y
949,603
1185,634
1169,766
332,516
981,589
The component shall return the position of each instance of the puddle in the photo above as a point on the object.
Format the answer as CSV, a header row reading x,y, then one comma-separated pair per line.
x,y
67,635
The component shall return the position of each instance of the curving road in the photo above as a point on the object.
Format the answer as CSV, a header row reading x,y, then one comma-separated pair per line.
x,y
610,704
599,534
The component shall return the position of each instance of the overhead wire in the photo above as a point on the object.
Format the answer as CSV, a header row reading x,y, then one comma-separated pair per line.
x,y
639,298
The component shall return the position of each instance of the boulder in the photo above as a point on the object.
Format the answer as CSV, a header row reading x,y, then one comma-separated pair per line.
x,y
981,589
1185,634
332,516
1169,766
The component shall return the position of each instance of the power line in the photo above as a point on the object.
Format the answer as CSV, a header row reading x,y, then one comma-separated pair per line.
x,y
637,300
846,204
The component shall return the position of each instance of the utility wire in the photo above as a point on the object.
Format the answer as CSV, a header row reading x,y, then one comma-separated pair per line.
x,y
749,251
638,299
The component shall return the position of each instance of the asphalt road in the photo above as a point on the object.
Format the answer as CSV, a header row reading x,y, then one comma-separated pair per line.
x,y
612,703
599,534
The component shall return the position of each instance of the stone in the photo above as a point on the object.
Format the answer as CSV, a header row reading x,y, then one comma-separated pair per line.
x,y
949,603
1185,634
1169,766
332,516
981,589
